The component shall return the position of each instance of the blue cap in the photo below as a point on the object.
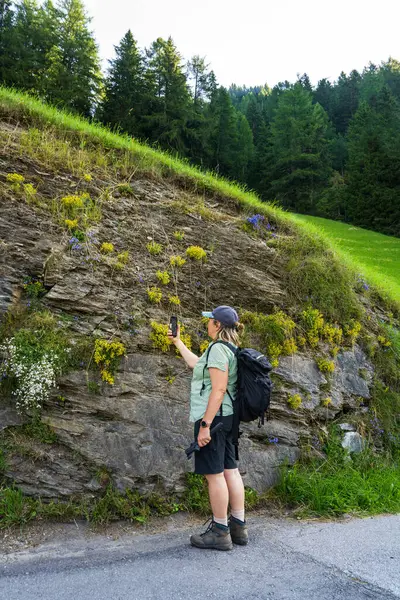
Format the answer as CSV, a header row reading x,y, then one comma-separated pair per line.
x,y
226,315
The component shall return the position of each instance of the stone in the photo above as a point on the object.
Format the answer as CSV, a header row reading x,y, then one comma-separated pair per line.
x,y
9,417
302,371
346,377
347,427
260,464
353,442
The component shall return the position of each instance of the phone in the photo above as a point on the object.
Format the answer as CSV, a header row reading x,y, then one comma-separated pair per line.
x,y
173,325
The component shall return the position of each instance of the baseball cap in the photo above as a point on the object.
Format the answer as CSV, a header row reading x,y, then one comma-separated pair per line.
x,y
226,315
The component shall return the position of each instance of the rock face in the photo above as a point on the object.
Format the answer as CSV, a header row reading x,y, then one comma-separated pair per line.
x,y
137,430
353,442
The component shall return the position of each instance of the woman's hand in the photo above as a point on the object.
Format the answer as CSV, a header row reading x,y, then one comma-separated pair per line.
x,y
176,339
204,436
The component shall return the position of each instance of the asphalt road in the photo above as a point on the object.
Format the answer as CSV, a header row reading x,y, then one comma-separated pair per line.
x,y
349,560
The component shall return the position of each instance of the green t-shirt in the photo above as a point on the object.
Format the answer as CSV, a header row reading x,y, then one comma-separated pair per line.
x,y
220,357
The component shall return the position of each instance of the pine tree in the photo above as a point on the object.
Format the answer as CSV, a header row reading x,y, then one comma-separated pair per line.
x,y
28,39
125,89
222,139
72,78
7,39
325,96
169,110
260,162
245,149
390,71
299,147
305,82
373,174
202,84
347,95
202,80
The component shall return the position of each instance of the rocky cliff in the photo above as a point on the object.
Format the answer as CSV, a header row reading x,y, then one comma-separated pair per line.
x,y
136,429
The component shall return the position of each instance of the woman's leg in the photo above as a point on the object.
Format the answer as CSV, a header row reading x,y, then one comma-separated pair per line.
x,y
219,496
235,487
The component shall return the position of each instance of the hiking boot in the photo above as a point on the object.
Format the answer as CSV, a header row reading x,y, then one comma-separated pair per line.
x,y
239,533
215,537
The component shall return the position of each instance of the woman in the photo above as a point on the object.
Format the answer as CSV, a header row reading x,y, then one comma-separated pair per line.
x,y
210,404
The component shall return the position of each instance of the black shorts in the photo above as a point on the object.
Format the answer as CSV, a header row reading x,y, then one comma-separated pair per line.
x,y
219,454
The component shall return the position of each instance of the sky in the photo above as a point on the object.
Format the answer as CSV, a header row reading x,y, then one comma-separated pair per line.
x,y
254,42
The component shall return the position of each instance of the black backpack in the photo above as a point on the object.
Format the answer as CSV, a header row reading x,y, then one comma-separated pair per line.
x,y
254,388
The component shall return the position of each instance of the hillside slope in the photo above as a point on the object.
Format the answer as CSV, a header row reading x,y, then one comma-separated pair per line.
x,y
376,255
85,224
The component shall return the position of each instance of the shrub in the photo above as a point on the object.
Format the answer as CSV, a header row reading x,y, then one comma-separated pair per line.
x,y
125,189
123,257
15,179
72,204
71,223
107,248
155,295
34,289
384,341
275,333
273,352
32,359
332,334
334,351
30,191
295,401
312,322
203,346
163,277
159,336
186,339
106,356
196,253
325,366
174,300
352,330
289,347
34,381
154,248
326,402
177,261
87,177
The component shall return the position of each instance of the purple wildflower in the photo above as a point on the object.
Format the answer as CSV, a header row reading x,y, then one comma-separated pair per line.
x,y
273,440
256,220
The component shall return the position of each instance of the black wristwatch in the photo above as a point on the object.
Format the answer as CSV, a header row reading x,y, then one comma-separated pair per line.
x,y
204,424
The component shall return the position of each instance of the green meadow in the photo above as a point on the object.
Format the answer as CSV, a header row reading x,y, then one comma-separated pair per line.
x,y
375,255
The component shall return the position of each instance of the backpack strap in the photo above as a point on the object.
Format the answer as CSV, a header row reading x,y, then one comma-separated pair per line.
x,y
236,420
234,350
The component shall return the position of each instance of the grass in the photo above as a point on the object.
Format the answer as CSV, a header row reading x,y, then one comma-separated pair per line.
x,y
33,112
368,483
375,255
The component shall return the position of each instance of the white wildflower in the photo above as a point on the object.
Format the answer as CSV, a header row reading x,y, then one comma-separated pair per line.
x,y
34,381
